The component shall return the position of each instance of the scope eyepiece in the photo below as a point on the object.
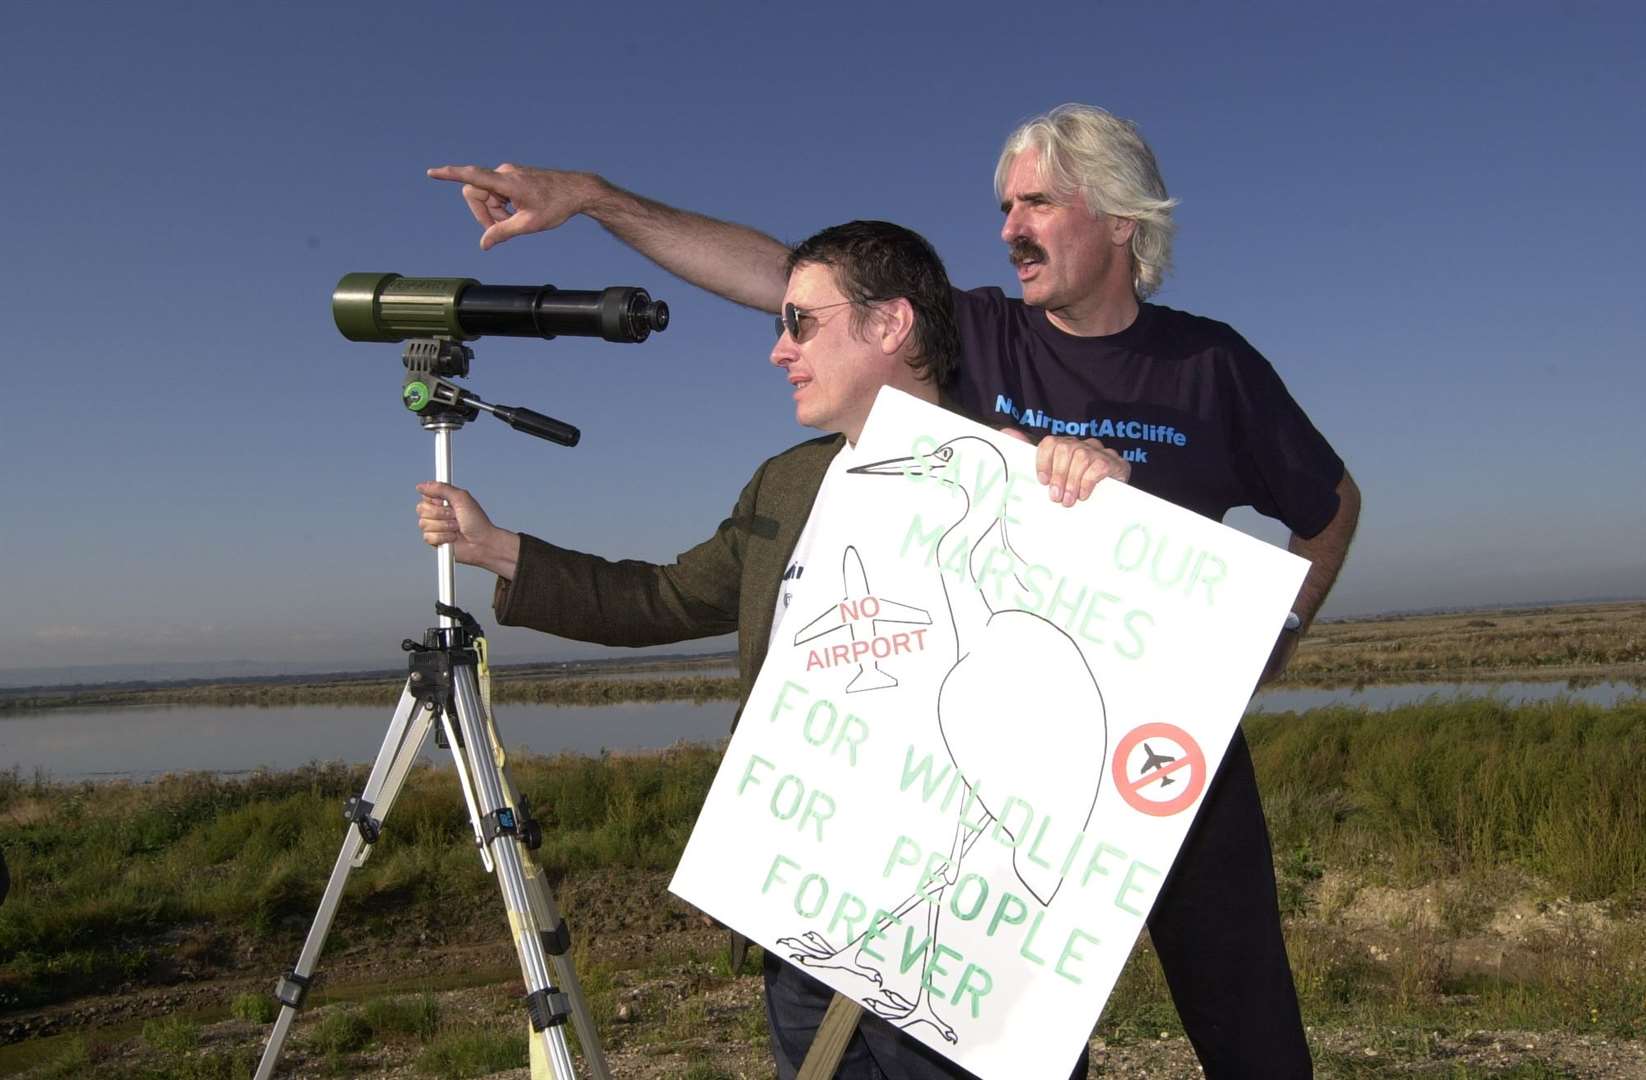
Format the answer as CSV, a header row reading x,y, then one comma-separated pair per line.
x,y
388,307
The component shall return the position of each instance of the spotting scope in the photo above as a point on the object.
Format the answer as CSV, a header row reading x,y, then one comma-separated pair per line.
x,y
388,307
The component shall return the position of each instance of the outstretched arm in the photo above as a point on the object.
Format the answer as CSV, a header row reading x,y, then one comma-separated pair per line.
x,y
741,264
587,598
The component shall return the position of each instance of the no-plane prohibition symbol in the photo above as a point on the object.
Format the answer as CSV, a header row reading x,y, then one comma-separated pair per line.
x,y
1159,769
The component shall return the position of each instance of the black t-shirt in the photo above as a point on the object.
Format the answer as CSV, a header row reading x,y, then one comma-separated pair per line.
x,y
1200,414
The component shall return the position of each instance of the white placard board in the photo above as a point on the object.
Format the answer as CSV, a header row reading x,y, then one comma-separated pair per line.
x,y
983,729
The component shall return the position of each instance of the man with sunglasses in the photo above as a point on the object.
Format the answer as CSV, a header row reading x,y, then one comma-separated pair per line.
x,y
867,304
1083,357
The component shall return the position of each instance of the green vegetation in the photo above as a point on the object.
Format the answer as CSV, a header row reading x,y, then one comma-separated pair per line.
x,y
175,1035
381,692
1595,639
165,1059
464,1052
104,871
403,1017
1465,788
1400,837
257,1008
704,1070
72,1062
339,1031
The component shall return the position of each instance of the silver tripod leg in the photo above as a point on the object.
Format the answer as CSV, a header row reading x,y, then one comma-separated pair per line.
x,y
541,940
540,935
401,745
556,938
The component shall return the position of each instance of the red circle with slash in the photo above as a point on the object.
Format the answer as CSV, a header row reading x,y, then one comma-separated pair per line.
x,y
1191,759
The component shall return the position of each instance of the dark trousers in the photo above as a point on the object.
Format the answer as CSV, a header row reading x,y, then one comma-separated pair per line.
x,y
1215,927
795,1003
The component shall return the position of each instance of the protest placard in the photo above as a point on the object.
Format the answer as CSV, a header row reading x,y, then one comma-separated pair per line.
x,y
982,730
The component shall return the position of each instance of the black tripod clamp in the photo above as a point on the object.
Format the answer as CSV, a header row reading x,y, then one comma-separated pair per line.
x,y
466,622
442,649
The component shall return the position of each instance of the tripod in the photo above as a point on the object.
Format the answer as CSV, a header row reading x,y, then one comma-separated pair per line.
x,y
444,687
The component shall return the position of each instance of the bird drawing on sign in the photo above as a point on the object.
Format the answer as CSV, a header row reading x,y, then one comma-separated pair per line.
x,y
1006,734
855,606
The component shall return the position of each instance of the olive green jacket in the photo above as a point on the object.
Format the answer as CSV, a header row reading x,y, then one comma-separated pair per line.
x,y
728,582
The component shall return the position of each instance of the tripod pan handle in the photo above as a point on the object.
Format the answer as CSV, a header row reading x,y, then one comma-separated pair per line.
x,y
535,423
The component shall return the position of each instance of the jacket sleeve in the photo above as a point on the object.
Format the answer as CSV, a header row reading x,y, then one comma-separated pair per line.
x,y
631,603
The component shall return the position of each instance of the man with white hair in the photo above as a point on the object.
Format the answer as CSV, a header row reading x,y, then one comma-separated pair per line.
x,y
1198,416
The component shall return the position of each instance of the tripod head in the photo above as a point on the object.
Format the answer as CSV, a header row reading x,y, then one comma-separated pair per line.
x,y
431,364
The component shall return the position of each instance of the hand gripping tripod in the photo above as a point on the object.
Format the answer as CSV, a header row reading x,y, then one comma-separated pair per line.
x,y
447,685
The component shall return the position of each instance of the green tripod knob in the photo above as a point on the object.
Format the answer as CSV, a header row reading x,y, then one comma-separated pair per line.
x,y
416,395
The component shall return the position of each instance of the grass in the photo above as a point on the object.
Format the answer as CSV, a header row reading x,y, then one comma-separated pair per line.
x,y
172,1035
470,1051
1471,800
173,1055
256,1008
377,691
403,1017
72,1062
104,871
1609,639
703,1070
1464,644
1466,788
1554,789
339,1031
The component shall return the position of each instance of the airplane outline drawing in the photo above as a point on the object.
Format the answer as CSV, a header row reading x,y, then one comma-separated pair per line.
x,y
840,616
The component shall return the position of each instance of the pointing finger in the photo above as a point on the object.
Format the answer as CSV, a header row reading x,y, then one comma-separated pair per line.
x,y
467,174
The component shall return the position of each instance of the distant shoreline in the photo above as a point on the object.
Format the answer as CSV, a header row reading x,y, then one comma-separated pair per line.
x,y
1592,642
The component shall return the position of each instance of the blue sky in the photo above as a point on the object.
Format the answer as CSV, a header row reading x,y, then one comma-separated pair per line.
x,y
1427,216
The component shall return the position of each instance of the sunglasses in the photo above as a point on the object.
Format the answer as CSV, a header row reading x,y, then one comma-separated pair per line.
x,y
791,318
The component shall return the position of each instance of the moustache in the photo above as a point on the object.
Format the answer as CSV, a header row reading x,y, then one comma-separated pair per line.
x,y
1024,250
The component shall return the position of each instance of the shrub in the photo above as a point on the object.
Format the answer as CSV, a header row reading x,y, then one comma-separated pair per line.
x,y
258,1008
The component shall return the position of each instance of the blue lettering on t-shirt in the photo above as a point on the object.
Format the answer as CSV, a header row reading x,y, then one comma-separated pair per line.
x,y
1093,428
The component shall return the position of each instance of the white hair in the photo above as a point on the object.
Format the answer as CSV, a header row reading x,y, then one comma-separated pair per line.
x,y
1085,149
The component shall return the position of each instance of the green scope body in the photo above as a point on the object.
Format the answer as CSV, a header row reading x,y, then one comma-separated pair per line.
x,y
388,307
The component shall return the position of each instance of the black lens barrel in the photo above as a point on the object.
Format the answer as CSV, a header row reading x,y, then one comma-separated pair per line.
x,y
615,314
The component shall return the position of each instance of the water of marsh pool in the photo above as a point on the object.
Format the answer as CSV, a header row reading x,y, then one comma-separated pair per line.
x,y
146,741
